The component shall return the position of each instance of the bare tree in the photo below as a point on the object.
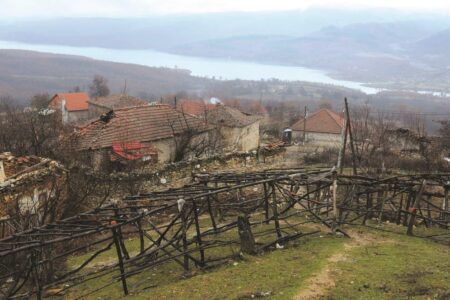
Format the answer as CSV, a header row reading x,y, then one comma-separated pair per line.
x,y
99,87
40,101
26,132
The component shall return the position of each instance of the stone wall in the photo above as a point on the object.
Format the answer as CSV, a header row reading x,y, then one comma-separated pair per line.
x,y
319,139
241,138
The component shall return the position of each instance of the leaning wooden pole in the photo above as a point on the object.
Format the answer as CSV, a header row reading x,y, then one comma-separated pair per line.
x,y
350,135
341,157
116,238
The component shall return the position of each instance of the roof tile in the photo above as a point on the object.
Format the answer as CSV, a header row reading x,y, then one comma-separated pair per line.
x,y
322,121
140,123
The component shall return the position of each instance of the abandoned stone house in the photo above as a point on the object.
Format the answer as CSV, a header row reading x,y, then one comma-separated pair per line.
x,y
101,105
72,106
323,127
239,131
32,192
148,134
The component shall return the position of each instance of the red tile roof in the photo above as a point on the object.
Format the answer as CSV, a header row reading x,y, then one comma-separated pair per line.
x,y
194,107
140,123
117,101
322,121
253,107
230,117
74,101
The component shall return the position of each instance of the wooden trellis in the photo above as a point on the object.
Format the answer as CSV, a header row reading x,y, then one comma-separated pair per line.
x,y
184,225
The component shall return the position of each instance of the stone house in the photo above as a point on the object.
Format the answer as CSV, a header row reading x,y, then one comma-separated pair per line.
x,y
72,106
101,105
33,191
323,127
148,134
239,131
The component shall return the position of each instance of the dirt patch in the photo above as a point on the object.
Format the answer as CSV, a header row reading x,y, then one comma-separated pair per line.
x,y
320,283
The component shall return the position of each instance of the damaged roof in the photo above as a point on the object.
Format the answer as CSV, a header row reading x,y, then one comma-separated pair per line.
x,y
230,117
195,107
322,121
117,101
16,171
140,123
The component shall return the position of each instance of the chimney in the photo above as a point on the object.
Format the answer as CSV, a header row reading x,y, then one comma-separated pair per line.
x,y
2,172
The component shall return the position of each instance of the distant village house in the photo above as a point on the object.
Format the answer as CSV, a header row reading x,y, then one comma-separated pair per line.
x,y
72,106
323,127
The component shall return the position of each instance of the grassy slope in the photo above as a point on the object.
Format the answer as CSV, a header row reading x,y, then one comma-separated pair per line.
x,y
402,268
391,267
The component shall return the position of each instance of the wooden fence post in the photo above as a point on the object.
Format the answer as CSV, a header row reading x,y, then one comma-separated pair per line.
x,y
266,203
335,208
116,238
413,210
199,234
275,210
182,209
350,135
211,214
247,240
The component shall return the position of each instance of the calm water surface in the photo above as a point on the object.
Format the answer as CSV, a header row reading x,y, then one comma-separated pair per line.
x,y
205,67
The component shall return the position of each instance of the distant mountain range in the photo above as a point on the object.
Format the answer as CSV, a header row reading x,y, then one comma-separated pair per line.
x,y
368,52
381,46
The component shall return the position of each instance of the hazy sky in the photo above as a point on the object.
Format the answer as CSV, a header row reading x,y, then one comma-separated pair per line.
x,y
58,8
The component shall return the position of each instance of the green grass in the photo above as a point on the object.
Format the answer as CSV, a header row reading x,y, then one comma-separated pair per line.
x,y
402,267
390,266
279,272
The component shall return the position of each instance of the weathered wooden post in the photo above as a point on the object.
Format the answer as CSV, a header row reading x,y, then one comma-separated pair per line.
x,y
399,212
247,240
266,203
119,232
408,205
199,235
366,215
335,208
275,210
116,238
413,210
349,129
182,209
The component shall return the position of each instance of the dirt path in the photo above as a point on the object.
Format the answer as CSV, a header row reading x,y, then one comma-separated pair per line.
x,y
320,283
